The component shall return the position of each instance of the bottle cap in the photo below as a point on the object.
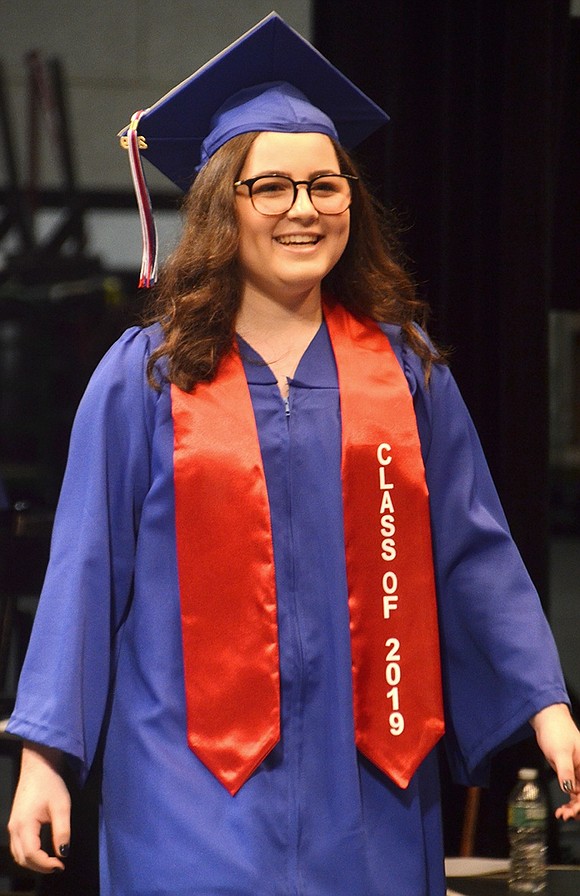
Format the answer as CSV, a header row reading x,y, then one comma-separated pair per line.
x,y
528,774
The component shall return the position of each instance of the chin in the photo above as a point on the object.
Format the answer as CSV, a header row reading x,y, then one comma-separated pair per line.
x,y
306,278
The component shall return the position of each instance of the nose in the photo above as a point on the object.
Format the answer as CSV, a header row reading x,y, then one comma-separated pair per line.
x,y
302,207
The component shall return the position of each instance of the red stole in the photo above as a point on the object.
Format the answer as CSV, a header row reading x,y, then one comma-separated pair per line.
x,y
226,565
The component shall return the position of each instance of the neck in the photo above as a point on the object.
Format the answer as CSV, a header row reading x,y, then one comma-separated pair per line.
x,y
280,331
263,314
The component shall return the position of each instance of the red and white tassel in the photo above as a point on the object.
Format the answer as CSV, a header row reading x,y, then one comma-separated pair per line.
x,y
148,274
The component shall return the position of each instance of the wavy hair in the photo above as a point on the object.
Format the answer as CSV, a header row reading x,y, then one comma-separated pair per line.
x,y
199,290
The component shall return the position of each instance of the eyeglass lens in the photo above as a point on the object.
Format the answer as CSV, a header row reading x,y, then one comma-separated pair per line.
x,y
330,194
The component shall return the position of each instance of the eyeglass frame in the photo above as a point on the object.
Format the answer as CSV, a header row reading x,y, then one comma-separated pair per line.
x,y
250,181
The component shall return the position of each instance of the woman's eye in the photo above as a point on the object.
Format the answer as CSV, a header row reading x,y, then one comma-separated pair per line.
x,y
271,186
325,186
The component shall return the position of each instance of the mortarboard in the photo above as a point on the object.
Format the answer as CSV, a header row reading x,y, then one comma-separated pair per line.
x,y
270,79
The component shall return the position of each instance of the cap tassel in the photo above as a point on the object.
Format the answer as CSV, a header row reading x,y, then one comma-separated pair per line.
x,y
148,274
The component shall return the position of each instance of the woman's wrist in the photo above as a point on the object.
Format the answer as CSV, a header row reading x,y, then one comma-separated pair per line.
x,y
33,753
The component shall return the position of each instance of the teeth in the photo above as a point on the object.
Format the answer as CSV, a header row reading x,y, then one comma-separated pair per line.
x,y
297,240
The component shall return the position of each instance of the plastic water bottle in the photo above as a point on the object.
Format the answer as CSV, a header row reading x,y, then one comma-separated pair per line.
x,y
527,825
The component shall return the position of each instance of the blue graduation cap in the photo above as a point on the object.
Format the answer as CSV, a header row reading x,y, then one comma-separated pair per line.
x,y
270,79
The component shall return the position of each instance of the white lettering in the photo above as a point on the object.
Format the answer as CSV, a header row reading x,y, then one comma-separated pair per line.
x,y
390,582
387,502
388,525
381,457
389,552
383,484
390,603
393,673
393,695
397,723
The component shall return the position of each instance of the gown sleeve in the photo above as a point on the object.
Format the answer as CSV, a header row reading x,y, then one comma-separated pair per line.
x,y
499,661
65,682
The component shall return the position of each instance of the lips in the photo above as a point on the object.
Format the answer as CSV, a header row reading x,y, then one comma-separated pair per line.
x,y
298,239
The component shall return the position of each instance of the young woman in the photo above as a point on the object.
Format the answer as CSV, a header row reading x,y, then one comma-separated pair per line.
x,y
239,615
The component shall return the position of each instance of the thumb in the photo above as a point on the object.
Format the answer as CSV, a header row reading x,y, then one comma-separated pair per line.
x,y
563,764
60,823
567,779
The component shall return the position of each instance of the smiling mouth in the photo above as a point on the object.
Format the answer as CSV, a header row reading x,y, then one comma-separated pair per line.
x,y
298,239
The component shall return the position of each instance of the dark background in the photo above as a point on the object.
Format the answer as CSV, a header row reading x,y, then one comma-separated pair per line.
x,y
480,161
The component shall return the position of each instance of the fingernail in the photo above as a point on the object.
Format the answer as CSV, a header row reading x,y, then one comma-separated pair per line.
x,y
63,850
567,786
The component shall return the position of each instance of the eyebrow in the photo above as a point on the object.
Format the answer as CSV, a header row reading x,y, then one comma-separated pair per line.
x,y
274,172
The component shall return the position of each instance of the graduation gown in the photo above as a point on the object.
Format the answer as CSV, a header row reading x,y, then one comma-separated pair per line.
x,y
105,663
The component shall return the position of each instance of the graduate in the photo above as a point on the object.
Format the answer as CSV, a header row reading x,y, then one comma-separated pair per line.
x,y
280,578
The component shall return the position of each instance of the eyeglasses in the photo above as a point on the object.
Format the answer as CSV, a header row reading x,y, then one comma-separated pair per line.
x,y
275,194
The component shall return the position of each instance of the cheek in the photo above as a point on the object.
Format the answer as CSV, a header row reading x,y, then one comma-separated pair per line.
x,y
250,225
248,243
259,240
341,238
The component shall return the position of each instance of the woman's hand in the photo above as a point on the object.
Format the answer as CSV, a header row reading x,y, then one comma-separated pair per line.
x,y
559,740
41,797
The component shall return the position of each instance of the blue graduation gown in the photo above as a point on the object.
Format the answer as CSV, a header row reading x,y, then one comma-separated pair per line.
x,y
105,659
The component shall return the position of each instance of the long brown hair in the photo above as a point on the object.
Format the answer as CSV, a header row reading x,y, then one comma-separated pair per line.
x,y
199,290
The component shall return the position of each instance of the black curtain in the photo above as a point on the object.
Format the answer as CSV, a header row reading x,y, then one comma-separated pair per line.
x,y
478,161
471,162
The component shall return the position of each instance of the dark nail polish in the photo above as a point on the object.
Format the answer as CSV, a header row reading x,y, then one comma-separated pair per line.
x,y
63,850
